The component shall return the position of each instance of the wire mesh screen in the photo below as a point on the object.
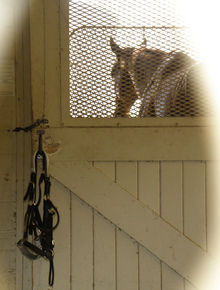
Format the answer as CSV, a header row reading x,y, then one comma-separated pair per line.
x,y
133,59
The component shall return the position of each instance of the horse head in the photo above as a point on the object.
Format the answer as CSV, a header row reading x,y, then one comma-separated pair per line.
x,y
124,88
131,73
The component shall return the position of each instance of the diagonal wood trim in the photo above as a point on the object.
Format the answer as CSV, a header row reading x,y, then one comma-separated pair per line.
x,y
137,220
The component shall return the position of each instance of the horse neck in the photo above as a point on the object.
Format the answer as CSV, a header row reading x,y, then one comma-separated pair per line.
x,y
143,64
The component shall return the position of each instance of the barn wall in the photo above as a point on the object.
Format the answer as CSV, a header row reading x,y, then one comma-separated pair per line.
x,y
14,111
8,150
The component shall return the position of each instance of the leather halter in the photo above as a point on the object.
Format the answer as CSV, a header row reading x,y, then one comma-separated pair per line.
x,y
34,226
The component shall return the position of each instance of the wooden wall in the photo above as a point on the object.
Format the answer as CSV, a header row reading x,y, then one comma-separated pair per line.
x,y
8,148
15,111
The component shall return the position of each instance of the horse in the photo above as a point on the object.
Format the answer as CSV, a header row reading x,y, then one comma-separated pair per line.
x,y
166,83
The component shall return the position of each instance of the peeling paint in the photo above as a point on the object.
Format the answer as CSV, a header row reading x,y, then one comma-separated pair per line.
x,y
49,145
52,148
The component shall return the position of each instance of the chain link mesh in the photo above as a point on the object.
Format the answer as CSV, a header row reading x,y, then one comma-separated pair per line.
x,y
94,91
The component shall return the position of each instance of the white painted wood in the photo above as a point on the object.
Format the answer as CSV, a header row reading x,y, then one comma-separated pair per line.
x,y
52,62
7,270
126,176
7,177
127,262
64,52
7,29
108,168
81,245
149,184
8,141
7,239
149,270
27,274
194,202
61,197
171,280
168,244
40,274
7,77
7,216
213,213
171,193
37,46
104,253
189,286
123,144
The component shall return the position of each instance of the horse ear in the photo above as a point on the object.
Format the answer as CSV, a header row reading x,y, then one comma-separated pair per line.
x,y
144,43
115,47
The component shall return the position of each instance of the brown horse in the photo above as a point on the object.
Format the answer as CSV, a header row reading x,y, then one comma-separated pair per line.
x,y
164,82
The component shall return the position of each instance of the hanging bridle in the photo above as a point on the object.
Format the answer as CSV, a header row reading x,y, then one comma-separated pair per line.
x,y
40,229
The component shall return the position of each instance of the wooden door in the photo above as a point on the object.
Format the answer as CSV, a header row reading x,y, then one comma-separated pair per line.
x,y
136,197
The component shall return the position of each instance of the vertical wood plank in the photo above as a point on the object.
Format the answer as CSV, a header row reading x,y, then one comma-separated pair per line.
x,y
149,184
171,193
37,41
189,286
126,176
170,279
104,253
8,177
81,245
60,197
127,262
213,213
40,274
8,147
108,168
52,62
194,202
64,36
7,270
149,270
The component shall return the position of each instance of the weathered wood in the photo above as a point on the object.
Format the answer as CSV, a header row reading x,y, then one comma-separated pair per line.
x,y
81,244
37,46
7,269
61,198
108,168
126,176
127,262
171,194
171,280
213,213
64,52
52,62
96,144
127,213
149,184
189,286
7,29
195,202
149,270
104,253
8,177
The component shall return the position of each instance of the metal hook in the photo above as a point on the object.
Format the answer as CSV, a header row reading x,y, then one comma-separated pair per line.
x,y
40,147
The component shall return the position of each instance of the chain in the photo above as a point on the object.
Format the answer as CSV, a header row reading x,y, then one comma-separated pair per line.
x,y
29,128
